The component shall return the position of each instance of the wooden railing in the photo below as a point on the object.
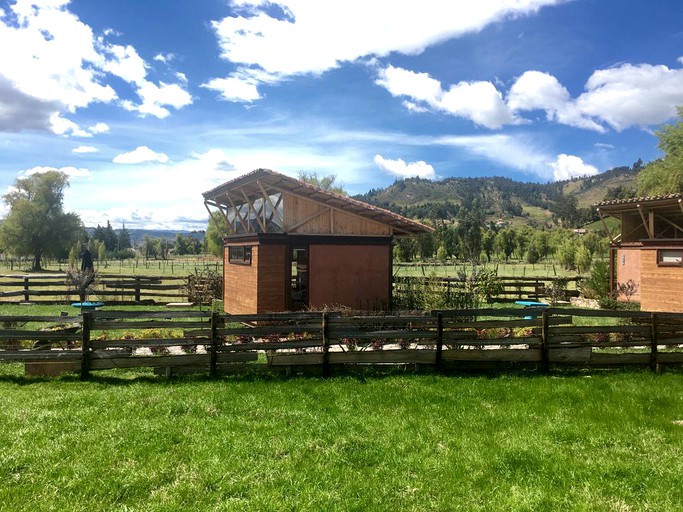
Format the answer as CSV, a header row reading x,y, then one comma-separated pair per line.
x,y
446,340
513,288
53,289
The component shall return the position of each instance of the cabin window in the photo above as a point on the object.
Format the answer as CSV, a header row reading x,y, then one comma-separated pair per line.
x,y
239,255
670,257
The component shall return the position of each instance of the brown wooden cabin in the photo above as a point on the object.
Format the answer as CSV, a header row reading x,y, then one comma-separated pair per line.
x,y
649,249
293,246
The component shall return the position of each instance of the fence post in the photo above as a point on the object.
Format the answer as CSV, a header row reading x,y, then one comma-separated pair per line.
x,y
137,289
439,341
653,343
214,344
326,344
545,351
26,289
85,344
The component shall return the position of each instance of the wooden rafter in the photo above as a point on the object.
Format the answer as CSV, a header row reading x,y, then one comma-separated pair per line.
x,y
604,224
253,209
238,215
228,227
646,224
679,228
273,207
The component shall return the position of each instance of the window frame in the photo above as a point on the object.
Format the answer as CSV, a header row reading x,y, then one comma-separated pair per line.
x,y
661,263
239,254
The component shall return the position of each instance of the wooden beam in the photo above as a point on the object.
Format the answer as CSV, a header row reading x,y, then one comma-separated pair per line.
x,y
225,217
608,232
238,215
679,228
651,223
253,209
273,207
646,225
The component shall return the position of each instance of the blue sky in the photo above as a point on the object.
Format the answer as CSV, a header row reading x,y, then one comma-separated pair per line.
x,y
146,104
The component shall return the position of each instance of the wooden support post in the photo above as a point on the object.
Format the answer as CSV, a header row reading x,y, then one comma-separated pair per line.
x,y
27,295
137,289
326,344
545,350
439,341
653,344
85,344
213,370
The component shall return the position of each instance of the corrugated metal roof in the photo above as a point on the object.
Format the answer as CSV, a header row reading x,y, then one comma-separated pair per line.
x,y
638,200
249,185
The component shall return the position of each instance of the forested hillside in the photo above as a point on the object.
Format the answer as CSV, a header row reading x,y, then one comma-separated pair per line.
x,y
566,203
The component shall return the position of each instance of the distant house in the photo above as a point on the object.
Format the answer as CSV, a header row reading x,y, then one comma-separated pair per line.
x,y
649,249
292,246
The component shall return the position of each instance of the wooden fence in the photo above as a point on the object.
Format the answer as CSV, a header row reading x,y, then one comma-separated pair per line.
x,y
53,288
485,339
513,288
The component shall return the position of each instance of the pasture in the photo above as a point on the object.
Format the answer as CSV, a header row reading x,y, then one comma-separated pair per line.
x,y
128,441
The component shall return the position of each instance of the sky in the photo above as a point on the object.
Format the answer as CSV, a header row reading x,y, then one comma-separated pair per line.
x,y
145,104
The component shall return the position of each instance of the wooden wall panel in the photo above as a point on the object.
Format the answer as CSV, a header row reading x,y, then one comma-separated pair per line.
x,y
356,276
628,267
240,284
661,287
272,279
297,209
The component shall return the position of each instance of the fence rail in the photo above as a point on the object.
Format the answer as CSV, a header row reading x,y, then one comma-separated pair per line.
x,y
179,341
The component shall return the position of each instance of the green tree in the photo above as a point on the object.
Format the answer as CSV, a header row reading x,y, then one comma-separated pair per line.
x,y
36,224
665,176
328,182
123,238
488,239
213,239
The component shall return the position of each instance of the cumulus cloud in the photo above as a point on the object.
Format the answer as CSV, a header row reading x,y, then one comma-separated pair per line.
x,y
619,97
99,128
155,99
569,166
71,172
58,65
85,149
235,89
400,168
293,37
139,155
479,102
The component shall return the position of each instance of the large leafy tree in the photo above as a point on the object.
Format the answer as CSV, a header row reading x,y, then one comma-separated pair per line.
x,y
36,224
665,175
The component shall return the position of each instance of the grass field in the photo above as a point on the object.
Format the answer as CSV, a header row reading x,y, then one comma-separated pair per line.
x,y
510,269
128,441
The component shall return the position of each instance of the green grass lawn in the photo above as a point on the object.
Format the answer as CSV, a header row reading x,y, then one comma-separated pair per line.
x,y
129,441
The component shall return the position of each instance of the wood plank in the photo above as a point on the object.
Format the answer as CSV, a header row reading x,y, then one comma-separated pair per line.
x,y
118,314
384,357
46,319
40,355
104,325
276,345
502,355
56,336
600,329
386,335
598,358
103,363
295,359
146,342
569,355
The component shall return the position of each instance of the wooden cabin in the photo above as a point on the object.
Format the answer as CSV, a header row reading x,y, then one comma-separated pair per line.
x,y
649,250
291,246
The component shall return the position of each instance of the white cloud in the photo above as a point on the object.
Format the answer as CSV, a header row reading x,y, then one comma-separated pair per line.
x,y
156,97
680,60
164,57
139,155
71,172
62,126
99,128
235,89
479,102
569,166
619,97
314,37
400,168
85,149
59,64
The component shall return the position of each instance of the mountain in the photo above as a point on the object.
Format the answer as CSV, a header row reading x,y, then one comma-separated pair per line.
x,y
568,203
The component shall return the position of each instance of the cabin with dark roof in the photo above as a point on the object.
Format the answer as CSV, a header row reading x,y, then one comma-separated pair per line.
x,y
290,246
649,250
